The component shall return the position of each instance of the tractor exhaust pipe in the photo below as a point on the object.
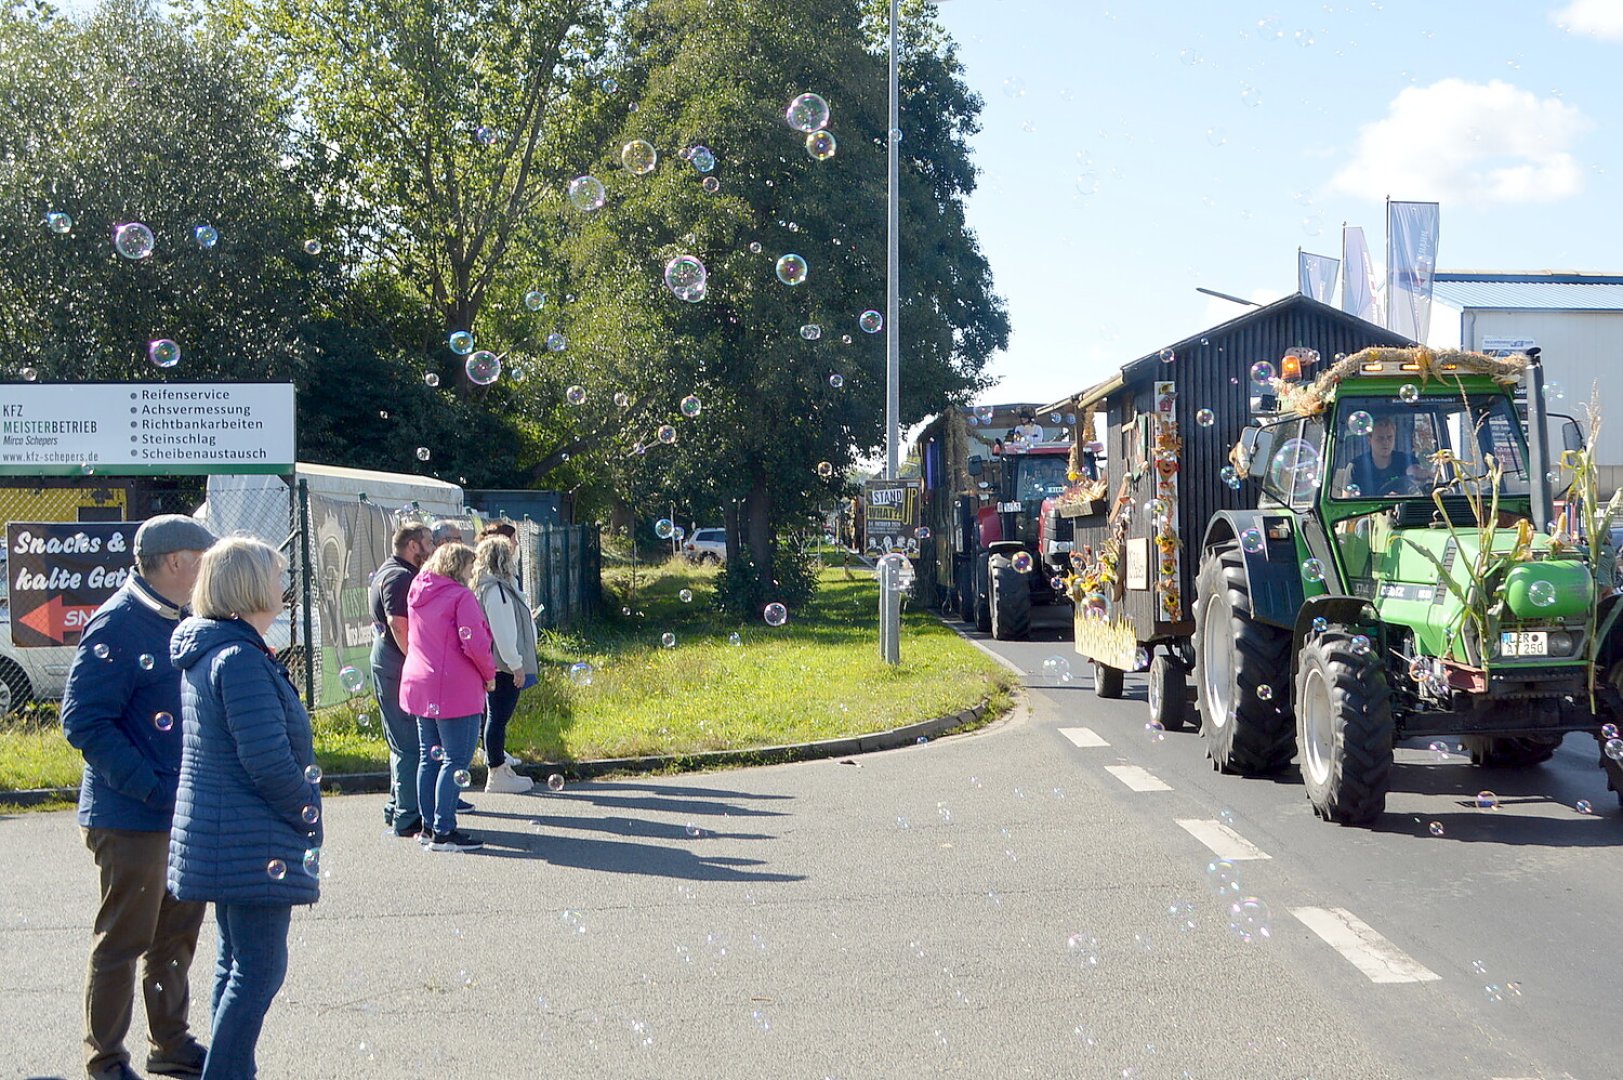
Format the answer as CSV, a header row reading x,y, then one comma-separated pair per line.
x,y
1538,454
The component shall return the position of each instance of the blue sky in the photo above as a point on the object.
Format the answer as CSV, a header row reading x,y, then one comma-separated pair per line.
x,y
1134,150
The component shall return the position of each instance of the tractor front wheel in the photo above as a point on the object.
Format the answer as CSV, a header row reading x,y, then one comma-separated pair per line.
x,y
1011,603
1343,727
1239,672
981,601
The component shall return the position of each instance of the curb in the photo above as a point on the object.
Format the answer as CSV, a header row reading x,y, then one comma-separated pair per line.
x,y
891,739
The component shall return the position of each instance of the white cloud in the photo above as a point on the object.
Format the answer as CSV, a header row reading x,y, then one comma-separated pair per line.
x,y
1601,19
1472,143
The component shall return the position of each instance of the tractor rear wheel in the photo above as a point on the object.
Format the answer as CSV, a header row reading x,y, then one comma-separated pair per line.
x,y
1239,673
1169,694
1011,603
1107,680
1510,751
1343,727
981,602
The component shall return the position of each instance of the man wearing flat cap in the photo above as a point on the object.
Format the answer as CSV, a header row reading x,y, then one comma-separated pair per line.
x,y
121,710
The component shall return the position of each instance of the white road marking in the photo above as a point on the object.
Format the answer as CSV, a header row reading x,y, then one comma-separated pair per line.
x,y
1081,736
1137,778
1367,950
1224,841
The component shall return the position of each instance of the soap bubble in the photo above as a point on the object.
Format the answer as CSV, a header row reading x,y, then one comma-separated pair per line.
x,y
808,113
735,638
310,814
1487,800
836,380
1222,877
461,342
792,270
639,157
1352,491
1250,920
1205,418
465,633
1251,540
483,367
1608,731
684,273
667,640
664,528
423,454
1436,828
133,240
821,145
1583,807
1359,645
556,342
1167,356
101,650
871,322
1360,422
691,406
775,614
586,194
1057,668
1312,570
163,721
1262,372
206,236
1553,390
686,596
435,753
622,400
484,136
1156,730
1541,593
555,782
1320,624
351,679
163,353
535,299
431,379
1230,476
277,869
312,862
312,773
312,246
1613,748
59,222
575,395
922,532
811,331
1022,561
825,469
461,778
665,434
580,673
1409,393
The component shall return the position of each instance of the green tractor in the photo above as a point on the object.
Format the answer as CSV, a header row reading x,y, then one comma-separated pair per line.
x,y
1405,575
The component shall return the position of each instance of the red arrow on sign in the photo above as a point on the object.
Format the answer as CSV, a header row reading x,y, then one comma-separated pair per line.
x,y
55,620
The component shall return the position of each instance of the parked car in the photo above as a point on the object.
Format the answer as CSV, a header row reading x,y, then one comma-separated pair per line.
x,y
706,546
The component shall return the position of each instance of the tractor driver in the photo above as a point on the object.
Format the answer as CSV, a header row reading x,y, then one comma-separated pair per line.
x,y
1382,469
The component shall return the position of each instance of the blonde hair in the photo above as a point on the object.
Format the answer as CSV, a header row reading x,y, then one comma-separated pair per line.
x,y
238,576
453,560
496,557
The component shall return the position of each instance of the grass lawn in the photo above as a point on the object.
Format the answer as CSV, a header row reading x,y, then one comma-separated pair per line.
x,y
817,677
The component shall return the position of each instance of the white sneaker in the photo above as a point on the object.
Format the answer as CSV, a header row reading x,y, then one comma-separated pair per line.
x,y
503,780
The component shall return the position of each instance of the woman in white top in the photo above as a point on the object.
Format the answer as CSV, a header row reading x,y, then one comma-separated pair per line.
x,y
513,647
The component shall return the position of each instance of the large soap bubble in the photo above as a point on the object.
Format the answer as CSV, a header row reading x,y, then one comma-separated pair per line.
x,y
684,273
639,157
808,113
586,193
792,270
821,145
133,240
483,367
163,353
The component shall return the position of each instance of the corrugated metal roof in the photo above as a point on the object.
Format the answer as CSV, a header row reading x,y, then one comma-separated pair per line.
x,y
1531,292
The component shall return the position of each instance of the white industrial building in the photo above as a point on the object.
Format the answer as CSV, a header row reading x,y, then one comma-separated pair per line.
x,y
1575,319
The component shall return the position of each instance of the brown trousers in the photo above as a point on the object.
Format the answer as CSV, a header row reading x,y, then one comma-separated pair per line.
x,y
137,920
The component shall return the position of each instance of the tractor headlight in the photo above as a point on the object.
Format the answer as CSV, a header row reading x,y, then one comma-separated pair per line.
x,y
1561,643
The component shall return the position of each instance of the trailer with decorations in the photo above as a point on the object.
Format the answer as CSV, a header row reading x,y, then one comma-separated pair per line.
x,y
1152,468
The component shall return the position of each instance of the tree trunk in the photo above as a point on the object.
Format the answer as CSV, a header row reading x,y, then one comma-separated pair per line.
x,y
757,525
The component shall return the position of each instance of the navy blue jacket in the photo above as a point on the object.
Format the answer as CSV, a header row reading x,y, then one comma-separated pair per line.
x,y
121,710
243,791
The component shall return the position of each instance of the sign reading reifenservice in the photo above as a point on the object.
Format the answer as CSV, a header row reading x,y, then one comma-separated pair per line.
x,y
60,573
124,429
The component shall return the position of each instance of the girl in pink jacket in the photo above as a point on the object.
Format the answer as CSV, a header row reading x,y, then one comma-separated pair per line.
x,y
448,670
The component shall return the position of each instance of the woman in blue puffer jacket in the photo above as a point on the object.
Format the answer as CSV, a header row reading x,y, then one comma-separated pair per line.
x,y
247,830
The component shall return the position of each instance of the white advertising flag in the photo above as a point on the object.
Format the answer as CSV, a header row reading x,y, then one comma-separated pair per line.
x,y
1316,275
1411,264
1357,275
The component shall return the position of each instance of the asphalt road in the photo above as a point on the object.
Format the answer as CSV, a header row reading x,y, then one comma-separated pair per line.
x,y
992,905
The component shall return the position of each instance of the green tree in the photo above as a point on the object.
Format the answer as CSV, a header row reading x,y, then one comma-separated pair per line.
x,y
719,74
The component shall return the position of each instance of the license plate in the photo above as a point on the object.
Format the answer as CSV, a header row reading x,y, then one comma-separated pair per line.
x,y
1009,508
1531,643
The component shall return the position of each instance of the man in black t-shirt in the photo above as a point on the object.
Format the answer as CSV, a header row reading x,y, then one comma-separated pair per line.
x,y
390,633
1383,469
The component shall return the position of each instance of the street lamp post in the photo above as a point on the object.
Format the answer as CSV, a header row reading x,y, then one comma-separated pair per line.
x,y
890,607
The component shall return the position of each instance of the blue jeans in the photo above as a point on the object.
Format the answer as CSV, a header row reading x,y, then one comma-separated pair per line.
x,y
437,789
248,970
400,730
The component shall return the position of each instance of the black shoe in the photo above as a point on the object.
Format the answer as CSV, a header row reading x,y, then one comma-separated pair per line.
x,y
463,806
410,830
185,1060
454,841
